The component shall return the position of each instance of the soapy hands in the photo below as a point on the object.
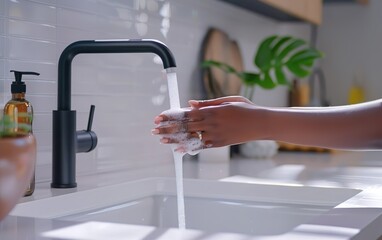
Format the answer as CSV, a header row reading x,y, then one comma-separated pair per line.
x,y
217,122
233,120
172,127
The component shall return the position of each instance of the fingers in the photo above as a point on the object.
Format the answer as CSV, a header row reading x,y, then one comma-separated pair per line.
x,y
177,127
186,115
187,128
190,143
174,139
164,118
217,101
189,122
159,119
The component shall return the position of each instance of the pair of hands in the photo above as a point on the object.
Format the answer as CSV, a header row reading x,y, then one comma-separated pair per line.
x,y
217,122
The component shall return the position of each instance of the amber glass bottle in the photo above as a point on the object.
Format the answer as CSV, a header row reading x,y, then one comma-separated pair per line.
x,y
20,112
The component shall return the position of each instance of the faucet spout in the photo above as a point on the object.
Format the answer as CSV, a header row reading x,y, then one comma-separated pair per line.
x,y
104,46
66,140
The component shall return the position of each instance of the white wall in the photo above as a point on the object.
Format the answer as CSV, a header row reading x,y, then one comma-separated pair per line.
x,y
128,90
350,36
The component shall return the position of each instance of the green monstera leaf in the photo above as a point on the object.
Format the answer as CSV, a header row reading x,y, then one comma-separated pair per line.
x,y
275,56
264,57
278,53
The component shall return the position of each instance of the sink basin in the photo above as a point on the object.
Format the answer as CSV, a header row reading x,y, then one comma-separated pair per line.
x,y
211,206
213,215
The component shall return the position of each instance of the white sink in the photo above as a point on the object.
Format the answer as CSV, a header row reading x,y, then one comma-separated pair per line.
x,y
211,206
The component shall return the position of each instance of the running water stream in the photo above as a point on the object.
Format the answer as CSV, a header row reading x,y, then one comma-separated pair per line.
x,y
178,157
188,145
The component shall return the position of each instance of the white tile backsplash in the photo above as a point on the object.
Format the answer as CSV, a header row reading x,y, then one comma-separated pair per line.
x,y
2,90
30,50
31,11
69,35
114,28
20,28
2,26
48,2
2,46
2,8
90,6
76,19
43,103
116,11
42,122
127,89
2,64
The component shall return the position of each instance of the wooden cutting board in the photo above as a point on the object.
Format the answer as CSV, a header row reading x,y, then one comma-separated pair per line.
x,y
218,47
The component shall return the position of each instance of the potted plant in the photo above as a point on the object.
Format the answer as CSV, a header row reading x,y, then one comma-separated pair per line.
x,y
277,59
17,162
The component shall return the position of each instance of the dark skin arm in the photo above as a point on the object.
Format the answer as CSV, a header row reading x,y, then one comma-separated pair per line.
x,y
233,120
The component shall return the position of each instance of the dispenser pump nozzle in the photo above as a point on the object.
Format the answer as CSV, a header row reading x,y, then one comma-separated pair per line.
x,y
18,86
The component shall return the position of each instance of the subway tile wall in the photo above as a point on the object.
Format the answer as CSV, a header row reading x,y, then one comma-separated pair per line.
x,y
127,89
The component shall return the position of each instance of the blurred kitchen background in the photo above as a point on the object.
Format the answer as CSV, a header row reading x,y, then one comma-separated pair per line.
x,y
129,89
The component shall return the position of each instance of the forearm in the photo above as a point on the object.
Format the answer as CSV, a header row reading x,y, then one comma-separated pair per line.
x,y
343,127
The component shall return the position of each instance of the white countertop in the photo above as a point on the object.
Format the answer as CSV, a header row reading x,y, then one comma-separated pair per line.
x,y
360,170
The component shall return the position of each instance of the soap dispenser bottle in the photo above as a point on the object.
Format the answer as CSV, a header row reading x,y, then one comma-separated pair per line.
x,y
20,112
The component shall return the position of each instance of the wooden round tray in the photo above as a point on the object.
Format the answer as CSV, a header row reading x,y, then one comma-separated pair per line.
x,y
218,47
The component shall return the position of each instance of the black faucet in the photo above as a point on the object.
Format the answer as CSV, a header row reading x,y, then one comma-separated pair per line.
x,y
66,140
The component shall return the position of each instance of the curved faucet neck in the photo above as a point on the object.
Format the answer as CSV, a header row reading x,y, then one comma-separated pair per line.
x,y
103,46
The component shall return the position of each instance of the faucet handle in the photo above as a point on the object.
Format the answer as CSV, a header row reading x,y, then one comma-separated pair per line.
x,y
91,116
87,139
